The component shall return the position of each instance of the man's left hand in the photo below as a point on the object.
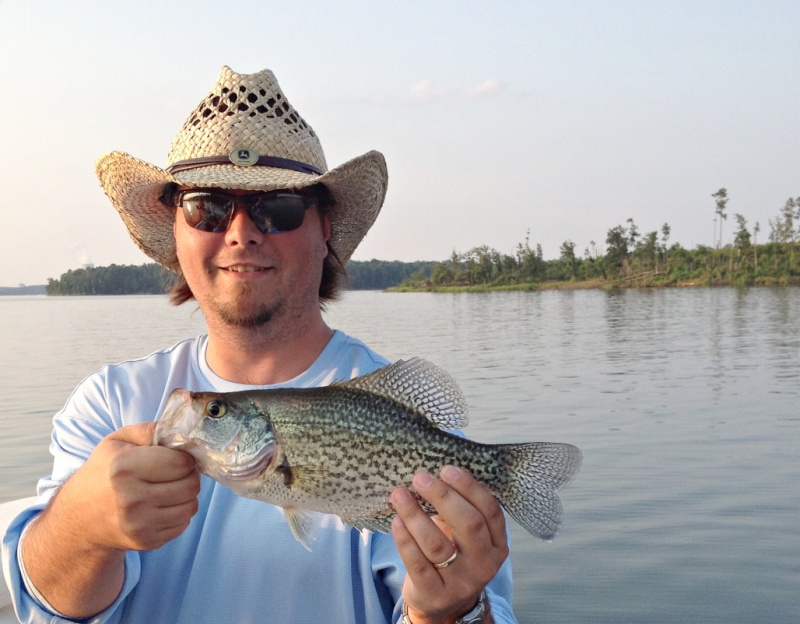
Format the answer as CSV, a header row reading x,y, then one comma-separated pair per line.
x,y
469,524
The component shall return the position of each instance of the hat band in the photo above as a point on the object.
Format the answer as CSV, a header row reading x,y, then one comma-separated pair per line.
x,y
263,161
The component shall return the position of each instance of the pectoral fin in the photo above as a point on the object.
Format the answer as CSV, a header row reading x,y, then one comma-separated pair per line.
x,y
313,480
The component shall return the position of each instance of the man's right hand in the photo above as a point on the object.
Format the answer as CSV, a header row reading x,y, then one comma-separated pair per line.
x,y
128,495
143,496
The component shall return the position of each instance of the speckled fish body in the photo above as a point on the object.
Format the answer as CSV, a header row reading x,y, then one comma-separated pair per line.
x,y
341,449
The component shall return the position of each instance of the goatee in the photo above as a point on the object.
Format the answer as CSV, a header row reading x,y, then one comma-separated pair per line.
x,y
235,318
245,312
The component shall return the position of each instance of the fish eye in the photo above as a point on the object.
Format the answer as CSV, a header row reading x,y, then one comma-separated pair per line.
x,y
216,408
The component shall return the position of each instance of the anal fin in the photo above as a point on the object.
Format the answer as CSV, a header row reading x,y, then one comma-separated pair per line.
x,y
381,523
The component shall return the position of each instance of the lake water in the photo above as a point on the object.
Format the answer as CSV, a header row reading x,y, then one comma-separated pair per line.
x,y
686,404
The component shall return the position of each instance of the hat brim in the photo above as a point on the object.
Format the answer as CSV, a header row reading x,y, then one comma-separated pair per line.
x,y
134,186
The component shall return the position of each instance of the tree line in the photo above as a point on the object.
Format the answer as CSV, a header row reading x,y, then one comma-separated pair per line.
x,y
146,279
382,274
633,258
627,258
153,279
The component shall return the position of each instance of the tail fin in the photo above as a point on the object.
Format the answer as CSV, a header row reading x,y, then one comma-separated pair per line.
x,y
536,471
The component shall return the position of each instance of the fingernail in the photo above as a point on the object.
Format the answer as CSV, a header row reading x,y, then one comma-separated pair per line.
x,y
450,474
400,495
423,479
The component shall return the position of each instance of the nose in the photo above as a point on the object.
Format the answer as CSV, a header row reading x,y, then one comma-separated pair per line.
x,y
242,230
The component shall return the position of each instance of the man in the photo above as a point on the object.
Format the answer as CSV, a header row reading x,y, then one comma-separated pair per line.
x,y
258,230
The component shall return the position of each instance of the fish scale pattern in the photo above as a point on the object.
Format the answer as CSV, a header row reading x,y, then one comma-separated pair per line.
x,y
349,447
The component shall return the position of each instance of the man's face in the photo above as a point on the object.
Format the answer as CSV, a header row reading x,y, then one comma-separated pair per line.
x,y
245,278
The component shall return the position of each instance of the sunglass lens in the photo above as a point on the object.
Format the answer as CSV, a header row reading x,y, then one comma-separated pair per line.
x,y
278,213
206,212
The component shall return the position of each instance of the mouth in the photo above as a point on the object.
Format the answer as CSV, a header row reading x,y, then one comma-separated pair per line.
x,y
244,268
172,427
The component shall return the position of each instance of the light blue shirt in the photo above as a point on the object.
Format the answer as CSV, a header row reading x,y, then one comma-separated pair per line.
x,y
237,561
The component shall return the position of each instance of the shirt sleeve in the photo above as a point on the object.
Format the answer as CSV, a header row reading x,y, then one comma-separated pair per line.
x,y
77,429
499,593
30,607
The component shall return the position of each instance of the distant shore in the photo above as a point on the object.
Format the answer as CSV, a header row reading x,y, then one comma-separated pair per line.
x,y
591,284
23,290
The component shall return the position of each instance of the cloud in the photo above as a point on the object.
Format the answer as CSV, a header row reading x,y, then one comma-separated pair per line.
x,y
421,89
487,88
424,91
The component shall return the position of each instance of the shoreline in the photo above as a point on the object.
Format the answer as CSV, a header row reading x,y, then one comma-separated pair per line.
x,y
595,284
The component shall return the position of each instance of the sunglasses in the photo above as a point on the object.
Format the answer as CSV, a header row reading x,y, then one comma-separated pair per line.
x,y
272,212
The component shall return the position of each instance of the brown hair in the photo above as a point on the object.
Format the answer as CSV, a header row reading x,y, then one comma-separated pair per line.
x,y
333,271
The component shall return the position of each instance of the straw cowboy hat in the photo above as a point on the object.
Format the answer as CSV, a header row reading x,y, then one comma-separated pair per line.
x,y
243,135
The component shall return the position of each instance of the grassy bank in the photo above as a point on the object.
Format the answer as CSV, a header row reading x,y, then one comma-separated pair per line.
x,y
590,284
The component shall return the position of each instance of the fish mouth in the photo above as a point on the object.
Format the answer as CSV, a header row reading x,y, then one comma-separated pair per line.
x,y
172,429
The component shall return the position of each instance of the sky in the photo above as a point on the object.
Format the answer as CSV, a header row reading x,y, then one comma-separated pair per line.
x,y
500,121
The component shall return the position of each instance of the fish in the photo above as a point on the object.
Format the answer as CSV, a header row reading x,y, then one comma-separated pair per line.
x,y
341,449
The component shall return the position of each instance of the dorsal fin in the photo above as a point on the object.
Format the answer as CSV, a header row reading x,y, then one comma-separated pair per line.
x,y
421,387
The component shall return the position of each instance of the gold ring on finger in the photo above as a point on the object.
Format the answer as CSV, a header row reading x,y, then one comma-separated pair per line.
x,y
449,560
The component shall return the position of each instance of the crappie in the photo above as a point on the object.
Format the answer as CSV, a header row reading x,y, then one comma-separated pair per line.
x,y
341,449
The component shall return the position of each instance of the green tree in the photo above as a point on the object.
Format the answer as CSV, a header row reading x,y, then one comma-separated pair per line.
x,y
756,230
665,232
790,218
568,258
633,234
647,251
722,200
616,257
741,241
530,265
